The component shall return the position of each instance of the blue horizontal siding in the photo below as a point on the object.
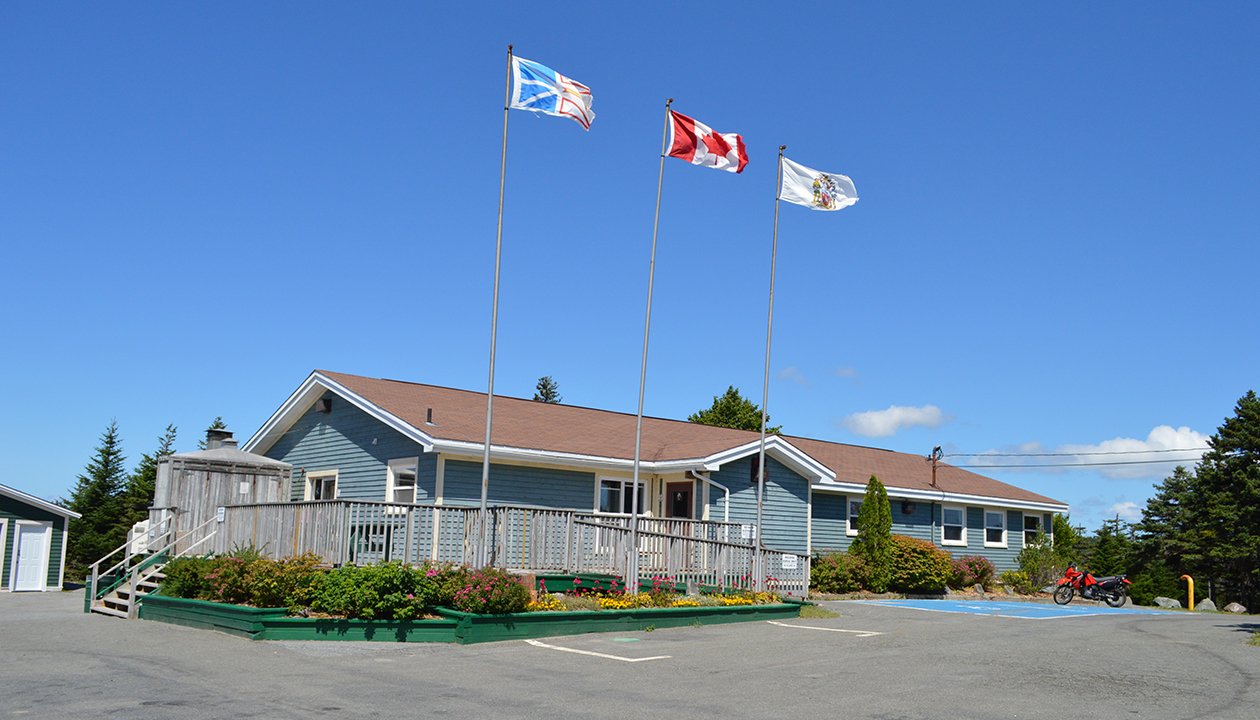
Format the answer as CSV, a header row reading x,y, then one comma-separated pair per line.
x,y
515,484
784,506
357,446
830,523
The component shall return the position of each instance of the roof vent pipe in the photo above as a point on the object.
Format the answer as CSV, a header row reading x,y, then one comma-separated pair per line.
x,y
428,417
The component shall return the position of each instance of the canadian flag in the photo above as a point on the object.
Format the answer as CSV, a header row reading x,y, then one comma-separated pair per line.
x,y
697,144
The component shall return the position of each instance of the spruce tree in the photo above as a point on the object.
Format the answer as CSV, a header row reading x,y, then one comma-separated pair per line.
x,y
733,410
1111,551
874,540
96,496
1223,505
137,497
547,391
218,424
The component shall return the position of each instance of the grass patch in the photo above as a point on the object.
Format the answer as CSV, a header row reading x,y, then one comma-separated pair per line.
x,y
814,611
1255,639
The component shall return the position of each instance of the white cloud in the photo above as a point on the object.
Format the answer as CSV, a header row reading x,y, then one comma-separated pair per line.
x,y
882,423
846,372
1129,458
794,374
1128,511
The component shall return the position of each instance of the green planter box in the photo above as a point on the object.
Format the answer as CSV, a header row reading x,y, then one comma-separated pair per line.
x,y
232,619
518,626
296,628
454,626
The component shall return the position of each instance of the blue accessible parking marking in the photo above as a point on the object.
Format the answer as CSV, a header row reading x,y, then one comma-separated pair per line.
x,y
1020,610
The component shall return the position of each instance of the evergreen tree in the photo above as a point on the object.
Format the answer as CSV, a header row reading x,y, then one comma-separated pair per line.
x,y
547,390
1112,549
1067,541
874,540
96,496
733,410
138,494
1223,505
218,424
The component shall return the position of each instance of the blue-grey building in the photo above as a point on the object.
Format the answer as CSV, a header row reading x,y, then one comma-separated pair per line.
x,y
361,438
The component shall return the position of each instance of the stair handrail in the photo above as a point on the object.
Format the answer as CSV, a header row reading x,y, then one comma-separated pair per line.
x,y
134,574
165,528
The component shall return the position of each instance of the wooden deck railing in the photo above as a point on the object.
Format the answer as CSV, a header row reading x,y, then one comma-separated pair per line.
x,y
522,538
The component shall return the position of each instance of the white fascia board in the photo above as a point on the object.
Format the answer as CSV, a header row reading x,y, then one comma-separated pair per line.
x,y
41,504
784,451
594,462
943,497
306,395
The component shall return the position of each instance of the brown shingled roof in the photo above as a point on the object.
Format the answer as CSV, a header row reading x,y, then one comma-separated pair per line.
x,y
460,415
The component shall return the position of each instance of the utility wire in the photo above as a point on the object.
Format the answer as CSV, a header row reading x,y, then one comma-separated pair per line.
x,y
1095,464
1074,454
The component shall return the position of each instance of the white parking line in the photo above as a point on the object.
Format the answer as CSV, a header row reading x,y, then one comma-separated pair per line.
x,y
859,633
536,643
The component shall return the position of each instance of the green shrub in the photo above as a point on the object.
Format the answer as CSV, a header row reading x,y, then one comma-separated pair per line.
x,y
1040,563
284,583
186,578
971,570
839,572
492,591
1019,581
385,591
874,540
918,566
226,580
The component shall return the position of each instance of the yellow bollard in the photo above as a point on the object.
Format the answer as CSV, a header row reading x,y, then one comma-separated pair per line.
x,y
1190,589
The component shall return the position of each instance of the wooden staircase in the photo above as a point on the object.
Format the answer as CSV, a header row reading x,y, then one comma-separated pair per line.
x,y
119,602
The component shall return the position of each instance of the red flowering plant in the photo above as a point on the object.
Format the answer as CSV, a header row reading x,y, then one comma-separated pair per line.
x,y
492,591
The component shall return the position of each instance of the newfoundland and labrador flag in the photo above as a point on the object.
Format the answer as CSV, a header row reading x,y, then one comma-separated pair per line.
x,y
540,89
696,143
815,189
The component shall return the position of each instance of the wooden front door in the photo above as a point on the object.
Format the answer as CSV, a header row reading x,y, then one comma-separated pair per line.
x,y
678,502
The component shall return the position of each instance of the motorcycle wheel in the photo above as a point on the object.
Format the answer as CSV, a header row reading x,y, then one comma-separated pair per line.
x,y
1116,599
1063,594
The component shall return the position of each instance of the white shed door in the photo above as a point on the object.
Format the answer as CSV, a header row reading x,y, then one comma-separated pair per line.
x,y
32,557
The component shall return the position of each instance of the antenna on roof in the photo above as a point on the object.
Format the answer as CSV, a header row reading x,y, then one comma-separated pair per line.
x,y
936,455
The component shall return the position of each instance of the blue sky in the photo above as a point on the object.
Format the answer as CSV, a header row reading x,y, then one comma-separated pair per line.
x,y
1054,251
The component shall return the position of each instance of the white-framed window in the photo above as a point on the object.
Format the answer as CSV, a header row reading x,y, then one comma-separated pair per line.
x,y
854,507
953,526
1032,526
615,495
994,528
400,480
321,485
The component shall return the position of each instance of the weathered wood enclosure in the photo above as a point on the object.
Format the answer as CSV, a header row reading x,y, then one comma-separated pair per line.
x,y
196,484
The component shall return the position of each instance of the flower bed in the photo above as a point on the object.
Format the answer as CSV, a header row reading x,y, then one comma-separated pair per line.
x,y
245,594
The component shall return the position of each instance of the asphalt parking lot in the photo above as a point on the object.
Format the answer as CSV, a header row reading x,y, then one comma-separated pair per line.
x,y
873,661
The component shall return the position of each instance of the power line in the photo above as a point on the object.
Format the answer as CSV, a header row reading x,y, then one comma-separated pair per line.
x,y
1074,454
1083,465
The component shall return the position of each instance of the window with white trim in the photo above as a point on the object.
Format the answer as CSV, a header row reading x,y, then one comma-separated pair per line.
x,y
321,485
953,526
400,480
854,507
1032,526
617,496
994,529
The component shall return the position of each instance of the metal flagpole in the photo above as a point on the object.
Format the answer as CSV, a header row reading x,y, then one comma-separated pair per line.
x,y
759,576
483,552
632,565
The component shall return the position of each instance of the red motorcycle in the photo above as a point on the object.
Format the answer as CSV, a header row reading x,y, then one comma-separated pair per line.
x,y
1112,590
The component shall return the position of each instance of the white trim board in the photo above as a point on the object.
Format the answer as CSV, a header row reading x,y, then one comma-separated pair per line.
x,y
4,538
41,504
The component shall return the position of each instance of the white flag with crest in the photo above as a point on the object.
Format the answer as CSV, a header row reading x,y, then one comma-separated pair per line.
x,y
816,189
